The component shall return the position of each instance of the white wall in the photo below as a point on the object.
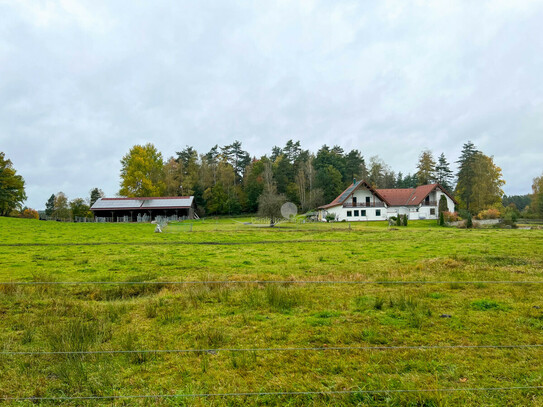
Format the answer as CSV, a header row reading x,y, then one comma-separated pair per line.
x,y
361,195
371,213
413,212
424,211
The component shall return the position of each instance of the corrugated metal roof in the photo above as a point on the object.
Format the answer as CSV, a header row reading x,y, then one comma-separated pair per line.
x,y
181,202
103,203
143,203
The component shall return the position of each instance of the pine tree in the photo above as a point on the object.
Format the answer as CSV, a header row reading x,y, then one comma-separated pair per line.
x,y
444,175
426,173
237,157
355,167
94,195
465,175
50,205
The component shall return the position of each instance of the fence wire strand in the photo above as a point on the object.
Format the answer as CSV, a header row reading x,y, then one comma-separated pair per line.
x,y
278,393
286,282
283,349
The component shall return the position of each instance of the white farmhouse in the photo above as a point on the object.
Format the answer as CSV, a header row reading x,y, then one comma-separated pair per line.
x,y
361,202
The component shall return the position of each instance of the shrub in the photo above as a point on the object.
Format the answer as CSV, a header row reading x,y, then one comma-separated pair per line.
x,y
511,213
330,217
405,220
399,220
464,214
490,213
450,216
469,222
443,204
441,221
29,213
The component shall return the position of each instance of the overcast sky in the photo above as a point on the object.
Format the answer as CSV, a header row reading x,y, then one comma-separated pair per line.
x,y
82,82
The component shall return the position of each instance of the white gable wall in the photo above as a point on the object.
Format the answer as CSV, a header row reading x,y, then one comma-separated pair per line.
x,y
361,194
425,212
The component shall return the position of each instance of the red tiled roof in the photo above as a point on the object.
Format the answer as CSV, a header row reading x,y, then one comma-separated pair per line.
x,y
410,196
420,193
396,197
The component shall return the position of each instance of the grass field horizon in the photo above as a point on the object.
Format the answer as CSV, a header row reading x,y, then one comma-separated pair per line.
x,y
214,317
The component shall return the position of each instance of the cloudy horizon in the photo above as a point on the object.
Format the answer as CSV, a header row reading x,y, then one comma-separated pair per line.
x,y
81,82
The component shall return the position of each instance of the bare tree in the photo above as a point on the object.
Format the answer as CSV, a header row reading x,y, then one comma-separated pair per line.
x,y
269,203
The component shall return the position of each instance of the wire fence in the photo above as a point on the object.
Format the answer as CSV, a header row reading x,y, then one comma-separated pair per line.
x,y
284,349
263,282
277,393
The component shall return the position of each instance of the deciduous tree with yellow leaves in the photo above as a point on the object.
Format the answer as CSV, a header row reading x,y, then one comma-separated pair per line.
x,y
142,172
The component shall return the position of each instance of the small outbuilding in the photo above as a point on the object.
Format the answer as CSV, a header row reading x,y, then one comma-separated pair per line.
x,y
148,208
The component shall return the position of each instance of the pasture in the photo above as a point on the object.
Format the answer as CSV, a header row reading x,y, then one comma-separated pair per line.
x,y
340,343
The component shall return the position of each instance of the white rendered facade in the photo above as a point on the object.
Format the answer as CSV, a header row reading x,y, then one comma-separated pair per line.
x,y
367,204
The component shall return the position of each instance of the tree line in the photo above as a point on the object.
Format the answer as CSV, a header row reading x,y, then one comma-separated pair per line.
x,y
228,180
59,207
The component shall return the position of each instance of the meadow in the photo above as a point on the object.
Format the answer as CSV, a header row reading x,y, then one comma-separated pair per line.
x,y
344,342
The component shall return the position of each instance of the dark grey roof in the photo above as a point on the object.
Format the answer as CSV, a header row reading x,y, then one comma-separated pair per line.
x,y
143,203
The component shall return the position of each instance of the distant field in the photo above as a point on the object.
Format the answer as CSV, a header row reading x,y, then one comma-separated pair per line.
x,y
132,317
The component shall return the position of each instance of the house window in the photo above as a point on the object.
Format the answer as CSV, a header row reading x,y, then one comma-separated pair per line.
x,y
354,200
349,213
367,200
355,213
378,212
432,211
363,212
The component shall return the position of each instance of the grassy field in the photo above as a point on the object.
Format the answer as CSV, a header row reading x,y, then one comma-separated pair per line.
x,y
217,318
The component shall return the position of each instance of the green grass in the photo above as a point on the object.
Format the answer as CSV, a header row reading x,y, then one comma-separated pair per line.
x,y
211,316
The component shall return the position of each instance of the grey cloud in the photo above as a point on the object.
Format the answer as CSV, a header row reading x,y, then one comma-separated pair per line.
x,y
81,82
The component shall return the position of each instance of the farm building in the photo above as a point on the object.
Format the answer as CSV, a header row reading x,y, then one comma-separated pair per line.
x,y
361,202
136,209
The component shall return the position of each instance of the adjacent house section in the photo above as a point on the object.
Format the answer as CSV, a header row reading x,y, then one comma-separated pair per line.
x,y
133,209
361,202
418,203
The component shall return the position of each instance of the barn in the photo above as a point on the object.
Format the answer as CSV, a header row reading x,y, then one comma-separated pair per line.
x,y
148,208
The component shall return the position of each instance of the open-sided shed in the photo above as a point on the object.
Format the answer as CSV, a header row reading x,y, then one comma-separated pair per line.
x,y
114,208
